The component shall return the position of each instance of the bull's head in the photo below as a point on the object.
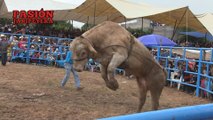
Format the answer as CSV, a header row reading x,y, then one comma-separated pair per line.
x,y
82,51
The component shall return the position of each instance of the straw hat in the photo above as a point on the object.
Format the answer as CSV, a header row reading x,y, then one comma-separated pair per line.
x,y
20,37
2,36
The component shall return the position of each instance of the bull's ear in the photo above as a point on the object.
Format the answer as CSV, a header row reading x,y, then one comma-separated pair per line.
x,y
71,46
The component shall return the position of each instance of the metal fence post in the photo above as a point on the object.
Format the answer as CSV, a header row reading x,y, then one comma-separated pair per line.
x,y
28,50
211,55
184,53
158,54
199,72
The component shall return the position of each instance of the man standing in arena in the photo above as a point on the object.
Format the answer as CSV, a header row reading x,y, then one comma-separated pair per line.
x,y
4,43
68,65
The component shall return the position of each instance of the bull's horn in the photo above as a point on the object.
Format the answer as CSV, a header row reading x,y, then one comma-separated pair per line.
x,y
92,50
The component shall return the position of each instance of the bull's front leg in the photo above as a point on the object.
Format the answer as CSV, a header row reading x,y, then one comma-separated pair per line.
x,y
104,74
116,60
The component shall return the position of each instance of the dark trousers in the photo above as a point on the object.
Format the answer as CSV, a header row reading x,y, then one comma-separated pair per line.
x,y
3,58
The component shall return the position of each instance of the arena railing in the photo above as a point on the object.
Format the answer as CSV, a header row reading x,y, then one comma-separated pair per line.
x,y
199,58
42,44
197,112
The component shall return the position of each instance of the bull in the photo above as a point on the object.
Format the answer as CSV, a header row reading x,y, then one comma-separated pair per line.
x,y
113,46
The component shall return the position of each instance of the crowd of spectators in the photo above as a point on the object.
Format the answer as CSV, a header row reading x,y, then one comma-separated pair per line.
x,y
43,31
206,44
186,72
45,50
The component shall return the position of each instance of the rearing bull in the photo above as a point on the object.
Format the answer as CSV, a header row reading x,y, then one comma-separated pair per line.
x,y
113,46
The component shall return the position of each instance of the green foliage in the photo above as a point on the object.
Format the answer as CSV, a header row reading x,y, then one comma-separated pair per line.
x,y
4,21
62,25
139,32
86,26
57,25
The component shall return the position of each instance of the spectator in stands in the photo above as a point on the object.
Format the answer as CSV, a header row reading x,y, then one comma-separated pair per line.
x,y
15,48
32,50
21,43
91,65
203,93
188,78
9,50
211,82
206,83
35,57
68,64
21,31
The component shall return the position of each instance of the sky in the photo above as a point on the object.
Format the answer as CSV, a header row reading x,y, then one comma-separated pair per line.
x,y
196,6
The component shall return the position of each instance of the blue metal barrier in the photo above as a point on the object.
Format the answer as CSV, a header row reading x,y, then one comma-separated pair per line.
x,y
25,54
163,56
198,112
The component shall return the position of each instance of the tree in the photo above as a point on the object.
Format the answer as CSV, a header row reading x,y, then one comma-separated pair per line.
x,y
5,21
62,25
139,32
86,26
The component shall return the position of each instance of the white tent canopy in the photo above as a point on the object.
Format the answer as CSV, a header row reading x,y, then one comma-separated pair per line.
x,y
207,21
97,11
115,10
135,10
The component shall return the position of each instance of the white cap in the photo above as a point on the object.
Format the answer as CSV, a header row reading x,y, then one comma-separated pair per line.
x,y
2,35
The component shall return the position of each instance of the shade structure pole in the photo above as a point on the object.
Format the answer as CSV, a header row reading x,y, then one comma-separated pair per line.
x,y
187,25
142,24
175,28
87,23
125,21
94,12
72,24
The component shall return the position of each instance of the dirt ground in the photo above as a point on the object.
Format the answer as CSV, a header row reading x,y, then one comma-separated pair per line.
x,y
30,92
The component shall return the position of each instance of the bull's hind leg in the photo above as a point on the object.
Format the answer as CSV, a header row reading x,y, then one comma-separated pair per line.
x,y
143,91
155,93
116,60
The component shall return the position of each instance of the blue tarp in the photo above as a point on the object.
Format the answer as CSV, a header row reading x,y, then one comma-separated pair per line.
x,y
156,40
198,35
